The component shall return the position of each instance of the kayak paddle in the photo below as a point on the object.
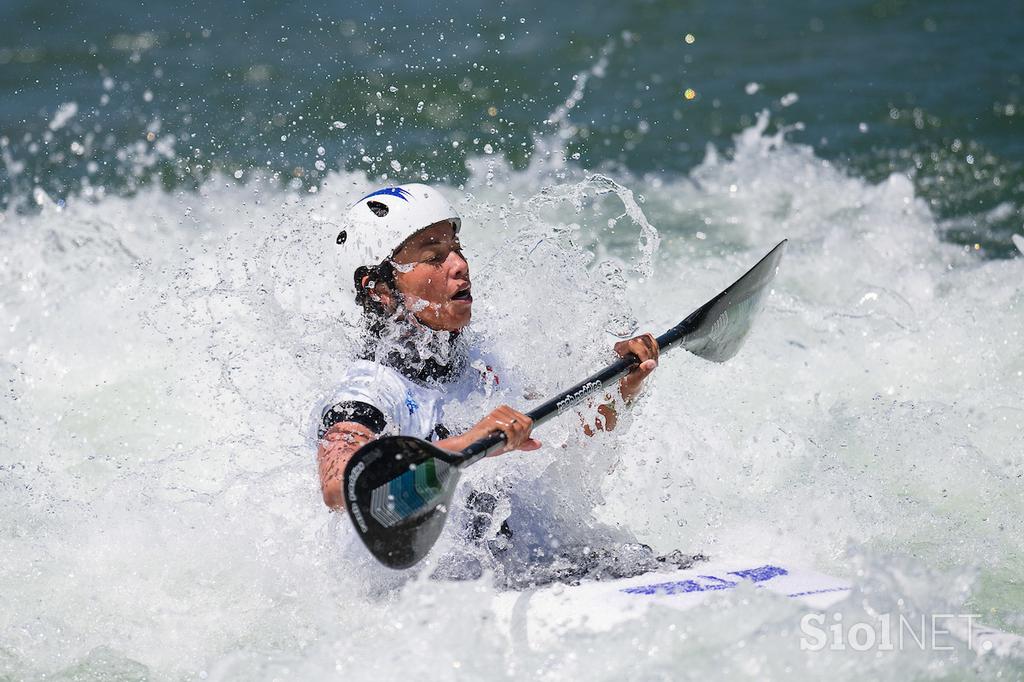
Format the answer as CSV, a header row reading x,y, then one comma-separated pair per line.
x,y
398,488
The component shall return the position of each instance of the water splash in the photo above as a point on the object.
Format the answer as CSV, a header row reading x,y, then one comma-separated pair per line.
x,y
164,350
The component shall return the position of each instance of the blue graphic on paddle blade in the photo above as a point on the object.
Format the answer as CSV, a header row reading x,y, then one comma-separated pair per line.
x,y
413,492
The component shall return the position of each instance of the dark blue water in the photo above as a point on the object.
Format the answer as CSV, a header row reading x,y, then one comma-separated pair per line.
x,y
173,92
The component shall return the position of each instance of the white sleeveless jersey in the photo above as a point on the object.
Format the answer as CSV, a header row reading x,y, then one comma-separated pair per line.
x,y
408,408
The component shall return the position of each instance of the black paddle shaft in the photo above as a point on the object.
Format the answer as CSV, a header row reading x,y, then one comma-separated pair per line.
x,y
748,289
570,397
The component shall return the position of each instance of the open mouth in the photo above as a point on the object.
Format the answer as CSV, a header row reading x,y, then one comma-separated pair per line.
x,y
463,295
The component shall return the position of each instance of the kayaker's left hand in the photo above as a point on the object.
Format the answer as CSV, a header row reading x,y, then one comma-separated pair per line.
x,y
644,347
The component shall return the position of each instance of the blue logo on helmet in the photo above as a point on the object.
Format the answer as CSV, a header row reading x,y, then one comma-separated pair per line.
x,y
399,192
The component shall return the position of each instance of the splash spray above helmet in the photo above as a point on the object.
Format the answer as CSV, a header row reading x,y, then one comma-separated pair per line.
x,y
382,221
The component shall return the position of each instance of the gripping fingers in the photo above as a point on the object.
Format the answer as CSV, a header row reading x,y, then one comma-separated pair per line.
x,y
644,347
514,424
651,344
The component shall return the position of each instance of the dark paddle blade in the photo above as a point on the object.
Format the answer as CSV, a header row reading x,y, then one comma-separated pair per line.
x,y
397,492
717,329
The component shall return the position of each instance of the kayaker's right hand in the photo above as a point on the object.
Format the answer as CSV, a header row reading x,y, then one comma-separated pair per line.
x,y
514,424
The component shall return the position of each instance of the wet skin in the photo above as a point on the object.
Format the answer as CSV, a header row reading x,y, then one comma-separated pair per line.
x,y
433,278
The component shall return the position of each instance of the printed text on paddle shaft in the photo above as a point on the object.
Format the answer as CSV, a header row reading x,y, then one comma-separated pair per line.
x,y
576,397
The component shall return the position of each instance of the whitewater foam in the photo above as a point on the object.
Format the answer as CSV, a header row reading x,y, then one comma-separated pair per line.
x,y
160,513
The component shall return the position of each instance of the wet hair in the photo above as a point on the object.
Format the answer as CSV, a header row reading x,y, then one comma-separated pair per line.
x,y
374,312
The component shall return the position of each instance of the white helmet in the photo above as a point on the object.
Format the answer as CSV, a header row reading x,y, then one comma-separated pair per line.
x,y
380,222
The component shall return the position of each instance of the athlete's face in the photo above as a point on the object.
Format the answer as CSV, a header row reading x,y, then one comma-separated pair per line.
x,y
433,278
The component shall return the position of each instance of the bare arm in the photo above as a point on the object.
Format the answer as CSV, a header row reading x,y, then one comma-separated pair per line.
x,y
605,420
334,451
645,347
